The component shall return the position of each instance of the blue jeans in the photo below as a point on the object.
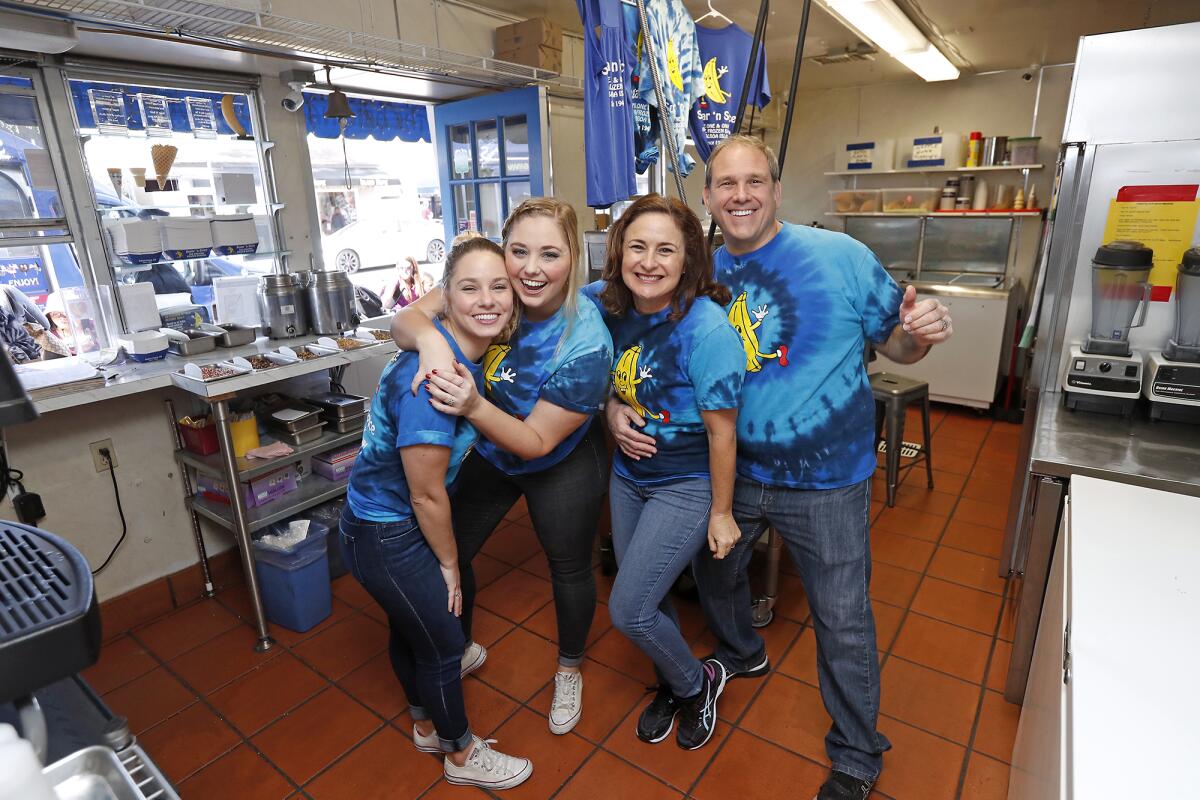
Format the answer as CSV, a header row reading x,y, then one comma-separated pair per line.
x,y
396,566
828,534
657,530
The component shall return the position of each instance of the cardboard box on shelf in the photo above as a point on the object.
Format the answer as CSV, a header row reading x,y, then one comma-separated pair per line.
x,y
538,56
536,31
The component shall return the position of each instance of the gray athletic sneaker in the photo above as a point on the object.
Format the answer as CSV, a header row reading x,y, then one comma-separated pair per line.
x,y
567,705
488,768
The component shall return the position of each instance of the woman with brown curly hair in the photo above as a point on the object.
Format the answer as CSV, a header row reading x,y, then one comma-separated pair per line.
x,y
679,365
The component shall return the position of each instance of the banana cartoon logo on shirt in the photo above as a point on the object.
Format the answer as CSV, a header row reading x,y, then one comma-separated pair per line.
x,y
627,375
673,66
491,363
712,81
739,317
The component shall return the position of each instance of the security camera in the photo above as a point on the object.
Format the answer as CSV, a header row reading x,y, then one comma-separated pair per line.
x,y
293,100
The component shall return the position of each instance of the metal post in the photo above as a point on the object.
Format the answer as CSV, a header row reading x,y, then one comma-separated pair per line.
x,y
241,527
799,57
188,493
763,606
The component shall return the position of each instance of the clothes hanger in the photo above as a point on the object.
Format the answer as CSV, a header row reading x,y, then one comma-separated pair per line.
x,y
712,12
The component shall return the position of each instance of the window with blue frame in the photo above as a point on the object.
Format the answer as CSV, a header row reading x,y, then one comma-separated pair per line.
x,y
489,171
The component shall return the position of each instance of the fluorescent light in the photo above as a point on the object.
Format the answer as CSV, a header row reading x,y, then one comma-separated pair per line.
x,y
884,24
929,63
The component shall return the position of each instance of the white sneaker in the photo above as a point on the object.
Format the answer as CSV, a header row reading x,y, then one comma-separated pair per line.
x,y
488,768
567,705
426,744
473,658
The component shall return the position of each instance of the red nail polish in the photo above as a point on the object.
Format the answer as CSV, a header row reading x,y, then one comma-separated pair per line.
x,y
435,372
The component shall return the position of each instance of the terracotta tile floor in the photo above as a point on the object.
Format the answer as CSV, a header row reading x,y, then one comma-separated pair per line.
x,y
321,716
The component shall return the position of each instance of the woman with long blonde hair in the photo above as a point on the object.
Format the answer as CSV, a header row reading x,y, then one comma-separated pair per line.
x,y
543,390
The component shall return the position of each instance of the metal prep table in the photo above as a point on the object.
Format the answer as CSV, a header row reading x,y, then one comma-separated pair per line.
x,y
1155,455
235,516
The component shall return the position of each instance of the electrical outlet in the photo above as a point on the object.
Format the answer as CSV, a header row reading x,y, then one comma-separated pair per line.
x,y
98,460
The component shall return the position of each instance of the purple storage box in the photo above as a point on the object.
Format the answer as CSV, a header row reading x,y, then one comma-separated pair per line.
x,y
258,492
335,471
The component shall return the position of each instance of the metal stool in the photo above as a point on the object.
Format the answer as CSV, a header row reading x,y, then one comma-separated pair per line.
x,y
895,393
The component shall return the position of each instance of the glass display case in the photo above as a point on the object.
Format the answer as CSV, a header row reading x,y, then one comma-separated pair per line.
x,y
180,183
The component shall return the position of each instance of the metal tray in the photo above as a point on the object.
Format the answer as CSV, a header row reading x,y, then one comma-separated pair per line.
x,y
198,342
347,424
188,371
310,418
302,436
98,773
337,405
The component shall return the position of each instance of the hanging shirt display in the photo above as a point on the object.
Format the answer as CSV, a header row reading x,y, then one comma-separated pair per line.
x,y
645,116
608,123
724,52
673,34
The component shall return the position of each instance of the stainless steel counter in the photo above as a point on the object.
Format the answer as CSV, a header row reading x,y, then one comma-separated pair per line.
x,y
1157,455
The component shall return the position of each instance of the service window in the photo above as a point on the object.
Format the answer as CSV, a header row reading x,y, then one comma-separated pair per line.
x,y
377,193
41,283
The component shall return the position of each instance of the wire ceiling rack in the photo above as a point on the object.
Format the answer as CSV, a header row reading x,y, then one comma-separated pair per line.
x,y
238,23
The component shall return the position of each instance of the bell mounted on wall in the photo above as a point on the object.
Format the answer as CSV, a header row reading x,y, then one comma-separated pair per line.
x,y
338,107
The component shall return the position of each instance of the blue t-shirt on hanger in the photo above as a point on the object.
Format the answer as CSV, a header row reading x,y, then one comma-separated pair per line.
x,y
378,489
724,52
669,372
608,121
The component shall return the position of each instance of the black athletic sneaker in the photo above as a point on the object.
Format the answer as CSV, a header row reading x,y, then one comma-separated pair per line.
x,y
757,671
698,715
840,786
658,718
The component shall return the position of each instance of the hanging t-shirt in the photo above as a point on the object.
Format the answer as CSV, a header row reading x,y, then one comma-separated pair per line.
x,y
608,122
669,372
673,34
539,363
645,116
378,489
803,304
724,52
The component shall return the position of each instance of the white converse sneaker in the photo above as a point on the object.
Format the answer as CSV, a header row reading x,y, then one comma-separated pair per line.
x,y
567,705
473,658
488,768
426,744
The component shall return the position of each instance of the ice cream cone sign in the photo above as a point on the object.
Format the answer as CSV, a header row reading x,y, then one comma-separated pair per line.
x,y
230,115
163,156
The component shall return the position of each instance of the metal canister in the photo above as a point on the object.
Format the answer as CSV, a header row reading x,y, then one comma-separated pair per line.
x,y
282,307
331,302
994,149
966,188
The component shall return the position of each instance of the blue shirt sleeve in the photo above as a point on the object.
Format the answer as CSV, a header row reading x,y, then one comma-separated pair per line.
x,y
418,422
878,299
716,368
592,292
580,384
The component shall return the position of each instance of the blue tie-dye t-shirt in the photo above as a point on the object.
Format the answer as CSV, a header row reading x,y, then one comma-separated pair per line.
x,y
803,304
668,372
539,363
378,489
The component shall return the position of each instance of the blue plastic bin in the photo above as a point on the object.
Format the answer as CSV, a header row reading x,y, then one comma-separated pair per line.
x,y
295,583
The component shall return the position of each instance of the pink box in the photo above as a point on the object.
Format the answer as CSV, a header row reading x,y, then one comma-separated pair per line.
x,y
258,492
334,471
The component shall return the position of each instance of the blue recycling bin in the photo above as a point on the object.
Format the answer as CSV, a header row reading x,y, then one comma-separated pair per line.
x,y
295,583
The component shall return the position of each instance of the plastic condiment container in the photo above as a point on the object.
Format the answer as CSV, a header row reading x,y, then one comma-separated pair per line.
x,y
1023,149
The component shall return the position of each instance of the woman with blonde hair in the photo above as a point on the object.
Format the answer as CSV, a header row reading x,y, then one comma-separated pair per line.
x,y
536,422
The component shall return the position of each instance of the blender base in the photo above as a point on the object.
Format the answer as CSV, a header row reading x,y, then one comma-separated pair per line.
x,y
1100,404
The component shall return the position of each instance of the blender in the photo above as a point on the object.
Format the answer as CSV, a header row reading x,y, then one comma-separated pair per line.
x,y
1104,373
1172,382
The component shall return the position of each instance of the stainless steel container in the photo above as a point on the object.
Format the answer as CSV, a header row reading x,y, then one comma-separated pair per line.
x,y
347,424
302,416
331,302
282,306
304,435
994,149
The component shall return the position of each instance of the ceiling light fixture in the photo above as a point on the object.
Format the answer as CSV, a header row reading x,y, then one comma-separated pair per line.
x,y
884,24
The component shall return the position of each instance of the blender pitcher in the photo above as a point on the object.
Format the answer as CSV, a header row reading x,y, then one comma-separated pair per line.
x,y
1185,344
1120,293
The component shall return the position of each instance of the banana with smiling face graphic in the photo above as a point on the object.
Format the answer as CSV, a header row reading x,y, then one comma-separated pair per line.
x,y
739,317
491,362
627,375
712,81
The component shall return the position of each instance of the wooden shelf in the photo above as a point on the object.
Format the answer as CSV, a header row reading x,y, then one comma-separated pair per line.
x,y
932,170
